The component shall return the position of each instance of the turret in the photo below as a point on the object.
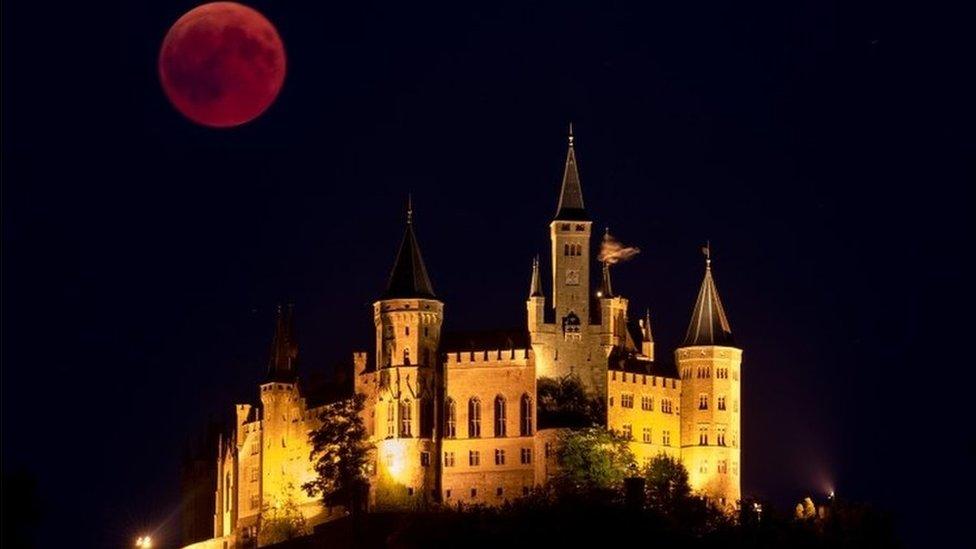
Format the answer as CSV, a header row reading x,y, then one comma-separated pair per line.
x,y
709,364
536,304
408,319
647,338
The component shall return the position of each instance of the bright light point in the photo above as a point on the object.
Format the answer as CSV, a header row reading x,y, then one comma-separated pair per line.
x,y
144,542
830,495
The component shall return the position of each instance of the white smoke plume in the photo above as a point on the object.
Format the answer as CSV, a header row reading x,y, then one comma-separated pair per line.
x,y
613,252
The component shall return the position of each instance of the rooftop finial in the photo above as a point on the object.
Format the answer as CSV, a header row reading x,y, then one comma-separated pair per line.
x,y
707,251
570,134
409,208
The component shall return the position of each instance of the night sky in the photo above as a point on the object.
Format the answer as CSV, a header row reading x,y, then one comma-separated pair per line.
x,y
817,144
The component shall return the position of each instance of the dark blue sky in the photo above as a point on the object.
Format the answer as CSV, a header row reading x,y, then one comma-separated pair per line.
x,y
819,145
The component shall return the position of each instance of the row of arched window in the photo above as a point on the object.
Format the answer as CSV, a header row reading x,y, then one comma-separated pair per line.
x,y
573,249
500,417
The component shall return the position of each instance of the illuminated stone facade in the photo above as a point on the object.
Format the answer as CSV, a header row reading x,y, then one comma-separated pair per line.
x,y
453,415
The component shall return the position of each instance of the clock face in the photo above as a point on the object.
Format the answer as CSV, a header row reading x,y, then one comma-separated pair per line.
x,y
572,278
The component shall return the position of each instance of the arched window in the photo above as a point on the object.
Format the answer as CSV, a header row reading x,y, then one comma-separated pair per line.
x,y
450,419
499,416
405,417
406,356
391,419
474,418
525,416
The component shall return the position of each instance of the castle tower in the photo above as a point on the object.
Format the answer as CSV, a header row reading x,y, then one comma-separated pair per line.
x,y
283,438
710,367
408,319
536,304
569,233
613,313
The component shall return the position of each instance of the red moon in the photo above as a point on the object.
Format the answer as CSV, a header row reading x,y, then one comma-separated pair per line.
x,y
222,64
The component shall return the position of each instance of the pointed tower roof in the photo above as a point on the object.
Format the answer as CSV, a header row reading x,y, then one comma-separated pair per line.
x,y
284,350
409,279
535,290
709,325
571,196
646,334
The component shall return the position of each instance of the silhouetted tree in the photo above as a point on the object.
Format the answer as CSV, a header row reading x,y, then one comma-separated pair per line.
x,y
666,483
340,454
564,403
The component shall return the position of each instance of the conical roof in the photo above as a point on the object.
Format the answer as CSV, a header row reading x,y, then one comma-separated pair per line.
x,y
284,350
709,325
571,195
409,276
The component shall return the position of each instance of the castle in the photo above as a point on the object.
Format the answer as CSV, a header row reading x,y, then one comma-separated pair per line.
x,y
453,417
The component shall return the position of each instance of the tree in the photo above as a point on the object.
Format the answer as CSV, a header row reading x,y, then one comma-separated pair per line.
x,y
563,402
667,482
282,521
593,460
340,454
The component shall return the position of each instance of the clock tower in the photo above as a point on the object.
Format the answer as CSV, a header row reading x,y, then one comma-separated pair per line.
x,y
570,236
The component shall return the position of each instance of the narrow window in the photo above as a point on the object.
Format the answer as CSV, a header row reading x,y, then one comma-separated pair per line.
x,y
666,438
474,458
425,459
500,416
703,401
525,416
450,419
499,457
526,456
703,435
449,459
628,431
391,419
647,434
721,402
474,418
406,356
405,418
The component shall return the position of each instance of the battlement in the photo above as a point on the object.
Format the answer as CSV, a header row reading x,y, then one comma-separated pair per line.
x,y
489,357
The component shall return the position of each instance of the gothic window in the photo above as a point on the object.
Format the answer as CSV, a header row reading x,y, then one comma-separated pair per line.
x,y
566,249
405,418
647,434
474,418
720,436
721,402
703,435
703,401
703,467
525,416
571,326
500,416
391,419
426,417
499,457
626,400
450,419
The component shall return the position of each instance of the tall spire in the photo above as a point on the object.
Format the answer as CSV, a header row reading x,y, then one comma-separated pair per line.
x,y
571,195
284,350
408,279
646,326
535,290
709,325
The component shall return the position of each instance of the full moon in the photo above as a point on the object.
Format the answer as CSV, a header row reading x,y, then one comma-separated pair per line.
x,y
222,64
